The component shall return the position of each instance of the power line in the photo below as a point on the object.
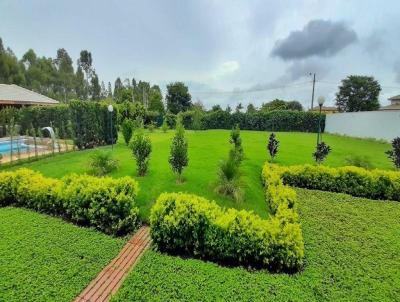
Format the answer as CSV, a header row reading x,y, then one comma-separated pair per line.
x,y
338,83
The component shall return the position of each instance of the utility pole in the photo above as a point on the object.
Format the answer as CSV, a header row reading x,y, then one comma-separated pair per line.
x,y
313,89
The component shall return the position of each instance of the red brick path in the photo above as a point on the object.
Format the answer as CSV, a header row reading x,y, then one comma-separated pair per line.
x,y
111,277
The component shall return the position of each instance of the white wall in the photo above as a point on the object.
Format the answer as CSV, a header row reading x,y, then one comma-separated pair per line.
x,y
372,124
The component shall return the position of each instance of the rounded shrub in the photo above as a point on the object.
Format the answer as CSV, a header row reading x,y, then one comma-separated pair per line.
x,y
106,204
192,225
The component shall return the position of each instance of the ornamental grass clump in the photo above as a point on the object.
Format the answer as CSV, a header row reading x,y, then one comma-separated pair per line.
x,y
102,163
141,149
229,182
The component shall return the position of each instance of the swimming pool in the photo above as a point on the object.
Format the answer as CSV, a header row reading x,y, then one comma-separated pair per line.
x,y
5,146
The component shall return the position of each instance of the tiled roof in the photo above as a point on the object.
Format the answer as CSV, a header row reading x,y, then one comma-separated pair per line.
x,y
16,95
394,98
391,107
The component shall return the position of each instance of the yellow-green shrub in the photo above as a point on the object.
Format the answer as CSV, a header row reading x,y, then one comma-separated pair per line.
x,y
375,184
104,203
279,196
189,224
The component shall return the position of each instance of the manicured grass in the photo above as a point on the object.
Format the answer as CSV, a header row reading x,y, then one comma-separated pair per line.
x,y
45,259
352,254
206,149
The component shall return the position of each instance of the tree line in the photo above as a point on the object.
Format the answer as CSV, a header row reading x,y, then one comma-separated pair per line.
x,y
57,78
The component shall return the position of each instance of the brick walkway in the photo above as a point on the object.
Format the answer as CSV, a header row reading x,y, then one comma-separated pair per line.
x,y
111,277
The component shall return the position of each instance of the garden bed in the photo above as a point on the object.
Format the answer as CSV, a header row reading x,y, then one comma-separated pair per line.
x,y
351,248
46,259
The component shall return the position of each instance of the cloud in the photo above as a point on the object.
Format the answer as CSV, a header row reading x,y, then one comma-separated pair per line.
x,y
295,71
320,38
300,69
397,71
226,68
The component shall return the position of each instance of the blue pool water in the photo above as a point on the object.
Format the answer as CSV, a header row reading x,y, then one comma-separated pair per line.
x,y
5,146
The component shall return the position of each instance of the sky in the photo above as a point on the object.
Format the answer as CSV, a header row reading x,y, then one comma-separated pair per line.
x,y
226,51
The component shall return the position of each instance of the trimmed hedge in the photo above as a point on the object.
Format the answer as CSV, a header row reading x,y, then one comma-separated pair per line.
x,y
192,225
104,203
90,121
355,181
44,116
91,124
278,120
279,196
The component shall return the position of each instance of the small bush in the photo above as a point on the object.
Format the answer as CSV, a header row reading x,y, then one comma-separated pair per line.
x,y
321,152
104,203
164,126
358,161
236,141
141,149
394,154
229,183
178,158
191,225
272,146
102,163
127,128
151,126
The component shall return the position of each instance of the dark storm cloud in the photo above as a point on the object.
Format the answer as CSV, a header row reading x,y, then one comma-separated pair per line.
x,y
296,71
322,38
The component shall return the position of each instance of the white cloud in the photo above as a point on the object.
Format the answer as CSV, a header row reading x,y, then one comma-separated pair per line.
x,y
226,68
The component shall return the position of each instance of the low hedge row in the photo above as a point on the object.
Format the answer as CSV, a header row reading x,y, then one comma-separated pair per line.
x,y
374,184
280,197
191,225
104,203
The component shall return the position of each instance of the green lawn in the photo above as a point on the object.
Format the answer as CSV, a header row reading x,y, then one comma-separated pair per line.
x,y
352,254
352,244
206,149
45,259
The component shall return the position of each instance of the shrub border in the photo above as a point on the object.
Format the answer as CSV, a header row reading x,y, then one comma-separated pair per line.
x,y
355,181
104,203
191,225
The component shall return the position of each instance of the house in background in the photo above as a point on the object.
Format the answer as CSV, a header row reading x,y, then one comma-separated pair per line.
x,y
395,103
16,96
325,109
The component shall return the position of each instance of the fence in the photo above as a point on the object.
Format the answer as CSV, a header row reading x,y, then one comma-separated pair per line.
x,y
368,124
18,148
